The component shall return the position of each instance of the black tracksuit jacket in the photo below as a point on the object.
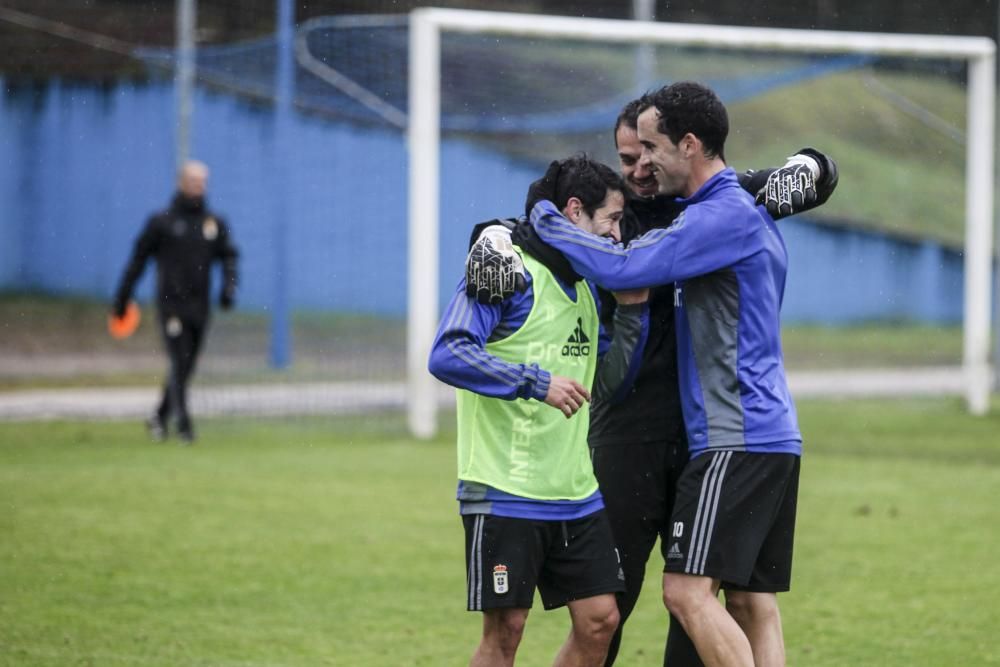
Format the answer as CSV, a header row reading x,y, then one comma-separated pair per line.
x,y
185,240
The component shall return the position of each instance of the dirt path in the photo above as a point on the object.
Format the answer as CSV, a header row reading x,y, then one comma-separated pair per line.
x,y
332,398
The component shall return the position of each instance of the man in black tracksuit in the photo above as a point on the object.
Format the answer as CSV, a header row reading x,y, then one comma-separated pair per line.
x,y
639,446
185,240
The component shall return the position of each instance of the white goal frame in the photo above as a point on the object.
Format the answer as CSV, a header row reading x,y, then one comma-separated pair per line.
x,y
426,26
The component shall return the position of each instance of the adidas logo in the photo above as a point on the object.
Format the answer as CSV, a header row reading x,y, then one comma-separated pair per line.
x,y
675,552
577,345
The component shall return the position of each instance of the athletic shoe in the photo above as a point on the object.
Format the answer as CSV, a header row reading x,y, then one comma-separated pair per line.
x,y
186,434
156,428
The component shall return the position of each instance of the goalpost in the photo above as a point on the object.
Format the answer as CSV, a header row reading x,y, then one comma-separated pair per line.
x,y
424,136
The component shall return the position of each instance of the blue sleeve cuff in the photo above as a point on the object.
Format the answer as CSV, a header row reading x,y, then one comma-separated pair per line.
x,y
535,383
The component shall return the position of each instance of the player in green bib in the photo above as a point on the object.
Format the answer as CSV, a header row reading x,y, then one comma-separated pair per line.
x,y
524,447
533,515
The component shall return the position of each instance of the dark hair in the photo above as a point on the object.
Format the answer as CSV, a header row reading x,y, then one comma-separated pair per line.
x,y
629,116
688,106
577,176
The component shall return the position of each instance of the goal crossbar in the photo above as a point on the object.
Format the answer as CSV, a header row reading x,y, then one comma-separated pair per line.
x,y
426,26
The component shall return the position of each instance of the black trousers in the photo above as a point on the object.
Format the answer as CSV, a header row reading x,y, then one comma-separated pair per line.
x,y
639,484
182,337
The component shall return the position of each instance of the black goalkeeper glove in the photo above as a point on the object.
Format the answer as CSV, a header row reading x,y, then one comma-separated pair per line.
x,y
790,189
806,181
826,181
493,269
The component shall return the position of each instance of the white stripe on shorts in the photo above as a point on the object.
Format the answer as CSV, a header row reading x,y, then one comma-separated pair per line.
x,y
704,518
475,575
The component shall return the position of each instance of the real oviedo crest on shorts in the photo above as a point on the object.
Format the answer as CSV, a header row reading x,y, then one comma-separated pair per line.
x,y
500,579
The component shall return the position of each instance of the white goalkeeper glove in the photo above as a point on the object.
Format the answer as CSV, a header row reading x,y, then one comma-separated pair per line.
x,y
791,189
493,269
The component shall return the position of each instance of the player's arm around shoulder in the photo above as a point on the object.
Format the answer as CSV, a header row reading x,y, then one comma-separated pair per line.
x,y
704,238
494,270
459,356
598,258
806,181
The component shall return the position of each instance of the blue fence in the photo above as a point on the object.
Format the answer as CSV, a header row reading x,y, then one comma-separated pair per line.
x,y
83,167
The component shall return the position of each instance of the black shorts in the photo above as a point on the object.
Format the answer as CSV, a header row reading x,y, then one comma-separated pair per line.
x,y
506,559
639,483
734,520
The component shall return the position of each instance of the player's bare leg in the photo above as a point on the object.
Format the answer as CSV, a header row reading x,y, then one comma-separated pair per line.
x,y
758,615
502,632
719,639
595,620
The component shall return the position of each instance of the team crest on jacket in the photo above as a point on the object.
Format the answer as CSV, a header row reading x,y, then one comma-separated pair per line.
x,y
500,579
210,228
174,327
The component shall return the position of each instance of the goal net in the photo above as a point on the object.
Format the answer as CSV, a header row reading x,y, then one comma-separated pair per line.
x,y
910,119
355,205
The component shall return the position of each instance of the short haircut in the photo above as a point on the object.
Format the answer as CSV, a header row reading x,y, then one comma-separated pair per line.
x,y
688,106
192,165
587,180
629,116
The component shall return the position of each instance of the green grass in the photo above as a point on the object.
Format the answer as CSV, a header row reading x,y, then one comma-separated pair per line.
x,y
323,542
871,345
882,154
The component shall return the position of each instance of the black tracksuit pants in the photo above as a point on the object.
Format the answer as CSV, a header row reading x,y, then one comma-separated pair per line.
x,y
182,337
639,482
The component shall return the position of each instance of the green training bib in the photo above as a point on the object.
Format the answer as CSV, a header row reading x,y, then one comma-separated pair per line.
x,y
526,447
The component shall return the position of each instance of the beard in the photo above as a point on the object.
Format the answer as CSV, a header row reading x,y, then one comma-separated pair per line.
x,y
190,203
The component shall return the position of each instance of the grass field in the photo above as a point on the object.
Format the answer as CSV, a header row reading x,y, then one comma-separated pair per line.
x,y
321,542
881,153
